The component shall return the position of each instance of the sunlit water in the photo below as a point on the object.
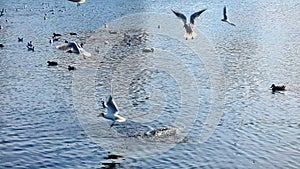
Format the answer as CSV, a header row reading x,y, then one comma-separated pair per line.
x,y
42,127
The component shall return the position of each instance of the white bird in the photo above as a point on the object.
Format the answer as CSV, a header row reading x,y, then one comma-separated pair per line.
x,y
112,111
225,19
77,1
190,34
73,47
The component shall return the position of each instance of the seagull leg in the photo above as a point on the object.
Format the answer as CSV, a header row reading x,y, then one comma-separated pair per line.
x,y
112,124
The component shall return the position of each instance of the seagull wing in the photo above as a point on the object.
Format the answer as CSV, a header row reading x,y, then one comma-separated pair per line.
x,y
112,106
180,16
74,46
63,47
85,53
224,13
195,16
231,23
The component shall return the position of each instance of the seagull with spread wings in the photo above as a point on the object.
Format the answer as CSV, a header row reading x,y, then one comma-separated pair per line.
x,y
225,19
190,34
112,111
73,47
77,1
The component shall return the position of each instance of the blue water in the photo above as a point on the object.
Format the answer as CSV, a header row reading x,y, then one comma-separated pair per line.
x,y
41,126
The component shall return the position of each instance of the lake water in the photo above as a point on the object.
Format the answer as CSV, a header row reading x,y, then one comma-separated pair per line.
x,y
201,103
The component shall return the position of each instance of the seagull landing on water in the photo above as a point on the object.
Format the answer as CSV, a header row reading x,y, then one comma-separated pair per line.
x,y
77,1
112,111
190,34
73,47
225,19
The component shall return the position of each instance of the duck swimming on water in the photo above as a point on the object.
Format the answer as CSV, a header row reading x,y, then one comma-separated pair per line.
x,y
277,88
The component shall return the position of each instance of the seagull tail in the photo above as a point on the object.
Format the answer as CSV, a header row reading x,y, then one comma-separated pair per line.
x,y
121,119
190,35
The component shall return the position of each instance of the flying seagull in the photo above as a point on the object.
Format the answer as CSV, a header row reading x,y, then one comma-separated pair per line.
x,y
73,47
190,34
112,111
225,19
77,1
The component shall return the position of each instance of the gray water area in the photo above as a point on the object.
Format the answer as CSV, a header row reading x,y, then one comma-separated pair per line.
x,y
48,115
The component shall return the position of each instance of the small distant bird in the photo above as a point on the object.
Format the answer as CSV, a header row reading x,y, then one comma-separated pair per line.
x,y
225,19
1,45
128,42
30,48
277,88
112,111
2,12
56,35
73,33
71,68
52,63
190,34
29,44
148,50
77,1
20,39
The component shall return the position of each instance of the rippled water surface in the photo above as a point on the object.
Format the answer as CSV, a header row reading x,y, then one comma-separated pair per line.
x,y
48,115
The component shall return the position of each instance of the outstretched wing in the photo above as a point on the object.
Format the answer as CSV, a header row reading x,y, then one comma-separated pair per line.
x,y
180,16
112,106
224,13
69,46
74,46
195,16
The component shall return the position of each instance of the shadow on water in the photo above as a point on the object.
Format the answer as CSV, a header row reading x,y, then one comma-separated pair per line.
x,y
112,161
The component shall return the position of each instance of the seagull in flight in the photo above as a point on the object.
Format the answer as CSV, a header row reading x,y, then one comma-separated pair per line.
x,y
112,111
73,47
77,1
190,34
225,19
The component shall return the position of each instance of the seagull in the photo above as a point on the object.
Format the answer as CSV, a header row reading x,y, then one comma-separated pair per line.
x,y
30,48
225,19
20,39
73,47
29,44
2,12
77,1
112,111
190,34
